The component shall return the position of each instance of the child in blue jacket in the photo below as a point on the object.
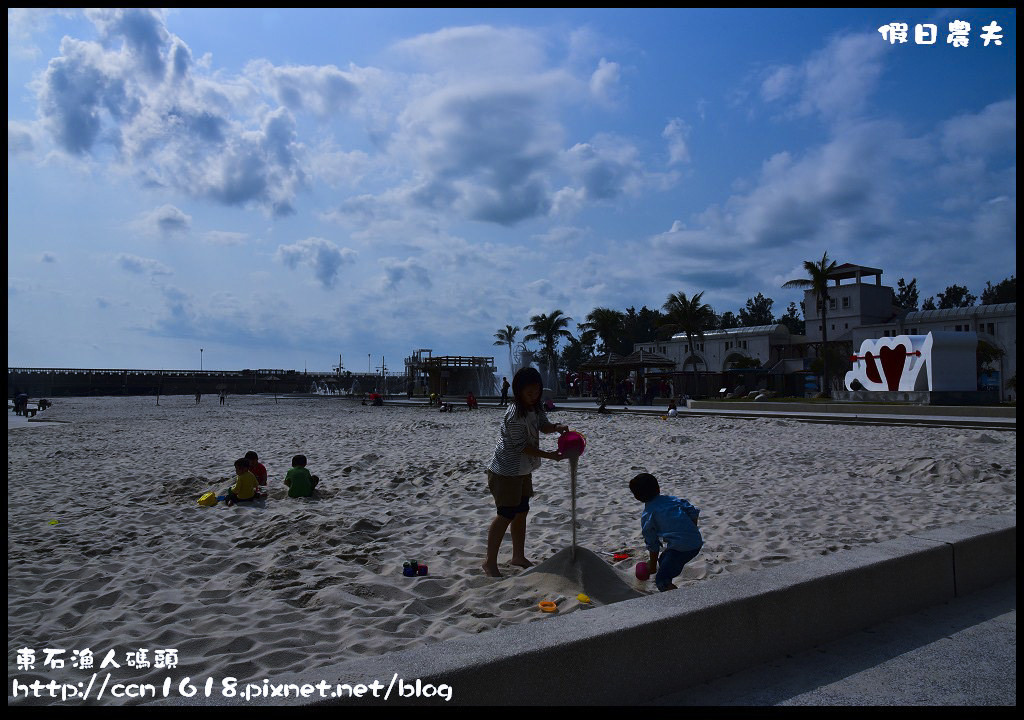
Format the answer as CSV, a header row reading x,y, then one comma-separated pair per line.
x,y
669,519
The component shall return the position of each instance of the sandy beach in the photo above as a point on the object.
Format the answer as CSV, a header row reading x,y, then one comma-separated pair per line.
x,y
108,549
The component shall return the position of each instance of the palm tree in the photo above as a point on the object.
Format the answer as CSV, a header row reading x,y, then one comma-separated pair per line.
x,y
507,337
548,330
817,281
606,324
689,316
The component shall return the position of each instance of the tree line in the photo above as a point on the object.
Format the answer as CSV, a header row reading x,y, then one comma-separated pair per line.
x,y
609,330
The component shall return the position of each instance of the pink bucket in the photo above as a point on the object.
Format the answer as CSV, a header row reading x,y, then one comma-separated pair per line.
x,y
571,443
642,573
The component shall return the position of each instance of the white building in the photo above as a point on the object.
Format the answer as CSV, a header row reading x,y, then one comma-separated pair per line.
x,y
857,310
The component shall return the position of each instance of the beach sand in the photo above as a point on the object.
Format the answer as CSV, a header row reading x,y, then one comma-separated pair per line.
x,y
133,562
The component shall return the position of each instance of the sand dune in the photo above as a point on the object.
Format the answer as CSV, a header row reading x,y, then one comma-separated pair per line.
x,y
133,562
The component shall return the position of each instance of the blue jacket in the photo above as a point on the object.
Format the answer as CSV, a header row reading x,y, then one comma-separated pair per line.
x,y
672,520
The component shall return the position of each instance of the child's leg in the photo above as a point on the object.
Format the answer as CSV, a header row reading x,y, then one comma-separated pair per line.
x,y
495,534
518,529
315,481
670,565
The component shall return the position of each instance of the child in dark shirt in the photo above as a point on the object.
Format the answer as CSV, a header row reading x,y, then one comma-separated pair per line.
x,y
669,519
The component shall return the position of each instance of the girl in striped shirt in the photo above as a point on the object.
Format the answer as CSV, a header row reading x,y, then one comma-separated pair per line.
x,y
510,471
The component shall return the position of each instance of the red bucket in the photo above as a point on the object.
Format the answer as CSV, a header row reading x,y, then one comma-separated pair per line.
x,y
571,443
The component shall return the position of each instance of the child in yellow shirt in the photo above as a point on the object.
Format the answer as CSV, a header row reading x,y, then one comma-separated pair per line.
x,y
246,485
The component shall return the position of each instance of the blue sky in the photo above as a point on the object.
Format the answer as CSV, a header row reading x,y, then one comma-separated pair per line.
x,y
279,187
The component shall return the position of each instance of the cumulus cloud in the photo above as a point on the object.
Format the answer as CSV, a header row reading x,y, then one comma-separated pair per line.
x,y
325,91
169,219
676,133
137,93
484,149
324,257
476,50
473,127
141,266
834,82
605,168
604,82
395,271
19,138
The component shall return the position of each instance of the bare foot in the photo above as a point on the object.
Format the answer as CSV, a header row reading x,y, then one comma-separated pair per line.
x,y
521,562
491,570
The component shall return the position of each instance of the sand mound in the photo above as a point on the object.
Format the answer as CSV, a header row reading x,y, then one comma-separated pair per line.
x,y
587,574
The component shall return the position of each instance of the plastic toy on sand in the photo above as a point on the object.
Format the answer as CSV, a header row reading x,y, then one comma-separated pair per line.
x,y
547,606
572,443
642,573
413,569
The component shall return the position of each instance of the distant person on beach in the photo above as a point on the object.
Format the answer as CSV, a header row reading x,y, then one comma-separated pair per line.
x,y
471,401
20,403
504,391
199,396
300,483
246,485
223,396
672,409
669,519
256,467
510,470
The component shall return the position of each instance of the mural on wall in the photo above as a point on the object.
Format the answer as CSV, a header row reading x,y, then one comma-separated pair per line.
x,y
938,361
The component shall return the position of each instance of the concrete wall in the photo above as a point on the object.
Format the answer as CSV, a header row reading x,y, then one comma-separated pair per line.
x,y
637,650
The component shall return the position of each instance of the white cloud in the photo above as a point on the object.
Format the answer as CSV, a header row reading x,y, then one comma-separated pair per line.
x,y
676,133
395,271
604,82
834,82
142,266
225,237
322,255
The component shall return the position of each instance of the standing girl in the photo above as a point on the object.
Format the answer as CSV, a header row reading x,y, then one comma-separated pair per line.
x,y
510,471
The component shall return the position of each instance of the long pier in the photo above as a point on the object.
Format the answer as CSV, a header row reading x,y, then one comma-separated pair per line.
x,y
79,382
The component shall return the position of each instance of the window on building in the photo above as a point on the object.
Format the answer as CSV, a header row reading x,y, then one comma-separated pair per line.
x,y
846,326
991,329
831,303
846,302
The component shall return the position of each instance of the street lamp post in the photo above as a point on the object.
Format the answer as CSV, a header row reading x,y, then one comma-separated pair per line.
x,y
200,359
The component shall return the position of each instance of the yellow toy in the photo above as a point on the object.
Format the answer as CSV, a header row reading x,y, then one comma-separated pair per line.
x,y
583,598
208,499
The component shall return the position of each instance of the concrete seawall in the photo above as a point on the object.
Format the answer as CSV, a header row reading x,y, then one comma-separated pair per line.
x,y
616,654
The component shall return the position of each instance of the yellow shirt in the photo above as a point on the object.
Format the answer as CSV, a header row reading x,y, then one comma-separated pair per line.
x,y
245,485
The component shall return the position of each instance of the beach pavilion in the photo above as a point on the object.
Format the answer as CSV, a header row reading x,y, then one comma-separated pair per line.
x,y
641,360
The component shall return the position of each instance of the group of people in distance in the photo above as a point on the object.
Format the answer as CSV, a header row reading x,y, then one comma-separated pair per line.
x,y
664,519
251,479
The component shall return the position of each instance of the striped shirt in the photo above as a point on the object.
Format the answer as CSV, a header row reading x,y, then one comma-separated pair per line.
x,y
517,432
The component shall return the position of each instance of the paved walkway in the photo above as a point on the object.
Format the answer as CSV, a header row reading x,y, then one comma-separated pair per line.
x,y
960,653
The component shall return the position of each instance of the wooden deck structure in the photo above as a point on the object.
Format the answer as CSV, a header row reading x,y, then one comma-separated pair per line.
x,y
450,374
